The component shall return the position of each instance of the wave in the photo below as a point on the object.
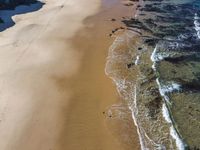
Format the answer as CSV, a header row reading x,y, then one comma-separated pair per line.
x,y
197,24
180,144
137,61
164,90
155,57
166,114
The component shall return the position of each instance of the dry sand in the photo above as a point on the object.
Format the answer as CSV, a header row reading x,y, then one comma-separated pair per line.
x,y
53,89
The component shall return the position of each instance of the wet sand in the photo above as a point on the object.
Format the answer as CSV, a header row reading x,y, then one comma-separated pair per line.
x,y
54,91
88,122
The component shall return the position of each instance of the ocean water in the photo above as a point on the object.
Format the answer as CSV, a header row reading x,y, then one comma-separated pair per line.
x,y
156,67
7,14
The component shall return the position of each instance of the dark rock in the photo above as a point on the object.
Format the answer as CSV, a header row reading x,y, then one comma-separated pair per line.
x,y
113,19
130,65
154,107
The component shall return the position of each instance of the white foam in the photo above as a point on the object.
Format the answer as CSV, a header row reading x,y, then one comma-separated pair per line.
x,y
154,56
179,143
154,66
158,56
170,87
164,90
137,60
197,24
138,130
166,114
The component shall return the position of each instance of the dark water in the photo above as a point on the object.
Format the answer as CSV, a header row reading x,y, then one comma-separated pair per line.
x,y
10,10
161,80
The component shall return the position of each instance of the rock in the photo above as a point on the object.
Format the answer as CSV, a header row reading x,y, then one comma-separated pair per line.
x,y
130,65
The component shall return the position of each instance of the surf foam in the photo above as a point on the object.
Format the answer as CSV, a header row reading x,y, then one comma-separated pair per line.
x,y
166,114
137,60
197,24
179,143
164,90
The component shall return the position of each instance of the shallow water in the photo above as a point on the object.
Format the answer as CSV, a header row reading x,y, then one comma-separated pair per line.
x,y
156,68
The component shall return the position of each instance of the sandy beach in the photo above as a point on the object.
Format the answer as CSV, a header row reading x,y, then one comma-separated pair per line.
x,y
54,94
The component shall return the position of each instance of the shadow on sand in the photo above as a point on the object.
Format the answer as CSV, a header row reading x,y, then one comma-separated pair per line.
x,y
6,15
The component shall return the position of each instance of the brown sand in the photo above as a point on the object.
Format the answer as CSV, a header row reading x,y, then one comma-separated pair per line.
x,y
53,86
88,125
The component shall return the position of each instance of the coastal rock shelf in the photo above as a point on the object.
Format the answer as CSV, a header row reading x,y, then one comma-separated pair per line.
x,y
166,88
